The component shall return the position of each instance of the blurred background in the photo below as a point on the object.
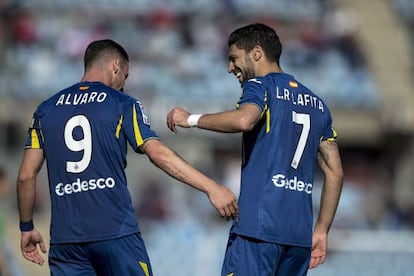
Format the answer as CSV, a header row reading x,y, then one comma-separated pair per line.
x,y
357,54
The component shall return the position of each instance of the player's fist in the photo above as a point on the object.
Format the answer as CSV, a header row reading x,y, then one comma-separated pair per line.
x,y
177,117
224,201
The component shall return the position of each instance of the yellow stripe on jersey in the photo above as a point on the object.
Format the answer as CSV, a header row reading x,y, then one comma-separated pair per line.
x,y
144,267
118,127
267,120
138,137
231,274
267,111
83,88
35,140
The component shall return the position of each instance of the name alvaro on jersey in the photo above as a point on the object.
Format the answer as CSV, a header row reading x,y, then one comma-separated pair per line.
x,y
300,99
83,98
80,186
281,181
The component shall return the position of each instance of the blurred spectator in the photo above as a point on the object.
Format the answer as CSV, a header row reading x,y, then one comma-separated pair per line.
x,y
341,34
152,203
22,25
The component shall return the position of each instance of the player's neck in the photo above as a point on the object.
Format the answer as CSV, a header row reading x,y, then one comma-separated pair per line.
x,y
95,76
267,69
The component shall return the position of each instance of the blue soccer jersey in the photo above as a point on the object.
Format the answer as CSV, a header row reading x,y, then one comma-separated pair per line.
x,y
84,131
279,157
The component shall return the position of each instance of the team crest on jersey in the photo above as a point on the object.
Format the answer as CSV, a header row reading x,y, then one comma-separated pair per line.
x,y
145,118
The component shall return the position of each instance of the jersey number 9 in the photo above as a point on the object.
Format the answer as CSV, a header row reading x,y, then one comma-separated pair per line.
x,y
84,144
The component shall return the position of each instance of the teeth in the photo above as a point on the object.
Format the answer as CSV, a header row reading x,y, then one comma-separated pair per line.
x,y
238,74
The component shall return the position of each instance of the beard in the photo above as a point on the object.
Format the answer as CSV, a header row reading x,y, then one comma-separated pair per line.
x,y
248,72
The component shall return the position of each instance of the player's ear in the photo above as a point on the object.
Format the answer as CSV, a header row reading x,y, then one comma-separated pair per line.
x,y
257,53
116,65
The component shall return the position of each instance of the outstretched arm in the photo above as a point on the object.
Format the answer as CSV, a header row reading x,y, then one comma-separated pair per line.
x,y
329,161
238,120
170,162
26,191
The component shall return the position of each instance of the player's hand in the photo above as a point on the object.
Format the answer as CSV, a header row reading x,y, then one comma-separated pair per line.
x,y
177,117
28,244
224,201
319,248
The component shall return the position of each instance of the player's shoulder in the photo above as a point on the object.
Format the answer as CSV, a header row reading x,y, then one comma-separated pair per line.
x,y
51,101
254,84
263,81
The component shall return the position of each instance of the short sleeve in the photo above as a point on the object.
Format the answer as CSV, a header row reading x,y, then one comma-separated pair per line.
x,y
253,93
34,134
329,132
136,125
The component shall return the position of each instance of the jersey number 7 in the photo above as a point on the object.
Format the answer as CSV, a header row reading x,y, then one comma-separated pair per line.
x,y
304,120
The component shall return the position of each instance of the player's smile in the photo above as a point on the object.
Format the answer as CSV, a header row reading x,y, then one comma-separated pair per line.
x,y
239,75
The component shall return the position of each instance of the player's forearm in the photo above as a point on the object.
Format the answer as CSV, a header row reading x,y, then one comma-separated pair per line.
x,y
26,194
240,120
329,202
171,163
220,122
26,182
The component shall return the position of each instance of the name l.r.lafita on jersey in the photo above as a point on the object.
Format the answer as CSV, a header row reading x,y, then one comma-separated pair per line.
x,y
300,99
80,186
78,99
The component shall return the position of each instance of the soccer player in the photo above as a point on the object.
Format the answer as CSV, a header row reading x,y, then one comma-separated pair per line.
x,y
82,132
287,129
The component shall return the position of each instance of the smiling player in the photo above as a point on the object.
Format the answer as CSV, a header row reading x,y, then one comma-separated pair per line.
x,y
287,129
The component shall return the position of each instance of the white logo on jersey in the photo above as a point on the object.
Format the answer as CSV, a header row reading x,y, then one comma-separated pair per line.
x,y
80,186
145,118
255,80
281,181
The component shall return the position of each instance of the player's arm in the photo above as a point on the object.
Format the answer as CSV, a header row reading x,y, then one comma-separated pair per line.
x,y
239,120
171,163
26,182
329,161
26,192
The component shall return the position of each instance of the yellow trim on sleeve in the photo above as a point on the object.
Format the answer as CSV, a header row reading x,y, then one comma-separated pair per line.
x,y
333,138
35,140
118,127
335,134
138,137
144,267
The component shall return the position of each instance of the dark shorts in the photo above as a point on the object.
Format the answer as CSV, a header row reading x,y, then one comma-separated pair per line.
x,y
122,256
251,257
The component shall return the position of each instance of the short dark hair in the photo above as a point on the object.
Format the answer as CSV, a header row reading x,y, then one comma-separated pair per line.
x,y
257,34
102,49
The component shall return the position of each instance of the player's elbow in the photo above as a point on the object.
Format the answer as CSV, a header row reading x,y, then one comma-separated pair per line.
x,y
245,123
25,177
157,158
156,152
